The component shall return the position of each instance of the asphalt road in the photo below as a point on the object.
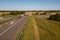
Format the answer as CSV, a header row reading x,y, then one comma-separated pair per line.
x,y
9,30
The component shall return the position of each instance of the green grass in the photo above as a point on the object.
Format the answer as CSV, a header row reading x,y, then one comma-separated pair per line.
x,y
28,33
49,30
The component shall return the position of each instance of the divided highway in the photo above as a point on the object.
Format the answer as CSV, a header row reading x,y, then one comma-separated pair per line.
x,y
9,30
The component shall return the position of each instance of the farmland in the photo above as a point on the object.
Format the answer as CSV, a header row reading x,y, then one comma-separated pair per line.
x,y
48,29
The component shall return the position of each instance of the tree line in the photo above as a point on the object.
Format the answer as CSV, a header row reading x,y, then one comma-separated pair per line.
x,y
55,17
15,13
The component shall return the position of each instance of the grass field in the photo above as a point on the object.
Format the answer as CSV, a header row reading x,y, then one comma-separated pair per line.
x,y
28,33
48,29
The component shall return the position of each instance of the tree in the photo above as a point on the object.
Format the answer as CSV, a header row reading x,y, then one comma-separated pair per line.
x,y
55,17
17,12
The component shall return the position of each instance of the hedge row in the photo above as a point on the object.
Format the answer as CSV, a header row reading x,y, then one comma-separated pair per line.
x,y
55,17
14,13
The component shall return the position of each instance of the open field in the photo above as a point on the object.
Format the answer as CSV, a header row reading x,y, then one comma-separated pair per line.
x,y
28,33
48,29
42,16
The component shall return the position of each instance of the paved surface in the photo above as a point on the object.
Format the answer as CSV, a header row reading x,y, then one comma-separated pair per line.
x,y
5,18
9,30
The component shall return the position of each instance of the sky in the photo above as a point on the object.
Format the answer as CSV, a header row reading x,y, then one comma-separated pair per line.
x,y
29,4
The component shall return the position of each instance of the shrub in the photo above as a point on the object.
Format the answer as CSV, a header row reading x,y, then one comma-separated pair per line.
x,y
55,17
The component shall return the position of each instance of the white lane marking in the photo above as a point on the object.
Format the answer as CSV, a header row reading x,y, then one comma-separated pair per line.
x,y
7,29
11,23
6,23
0,25
10,27
1,17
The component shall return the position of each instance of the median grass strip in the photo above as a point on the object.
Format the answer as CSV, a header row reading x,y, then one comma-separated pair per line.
x,y
49,30
28,33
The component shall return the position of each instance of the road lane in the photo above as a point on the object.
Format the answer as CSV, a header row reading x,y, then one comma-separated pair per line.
x,y
12,31
4,26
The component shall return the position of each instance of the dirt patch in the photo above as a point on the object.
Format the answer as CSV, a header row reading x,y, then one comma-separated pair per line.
x,y
36,33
